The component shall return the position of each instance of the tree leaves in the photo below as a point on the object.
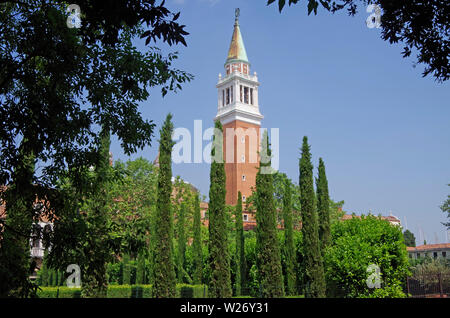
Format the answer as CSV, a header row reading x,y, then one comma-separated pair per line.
x,y
422,26
357,243
312,5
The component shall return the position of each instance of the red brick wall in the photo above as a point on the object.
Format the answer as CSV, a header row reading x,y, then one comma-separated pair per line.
x,y
236,169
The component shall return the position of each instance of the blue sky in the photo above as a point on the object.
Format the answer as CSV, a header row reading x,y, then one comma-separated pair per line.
x,y
382,130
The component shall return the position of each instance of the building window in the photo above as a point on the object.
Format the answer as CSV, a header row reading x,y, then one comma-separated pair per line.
x,y
418,255
231,93
251,96
243,198
245,217
223,97
243,177
243,139
410,255
434,254
246,95
240,89
444,254
245,69
228,96
228,69
243,158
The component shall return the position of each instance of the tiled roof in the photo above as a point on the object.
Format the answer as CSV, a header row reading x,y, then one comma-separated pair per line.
x,y
44,217
389,218
428,247
2,211
2,205
249,226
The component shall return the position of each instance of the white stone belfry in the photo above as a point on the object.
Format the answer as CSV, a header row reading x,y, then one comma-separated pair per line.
x,y
238,90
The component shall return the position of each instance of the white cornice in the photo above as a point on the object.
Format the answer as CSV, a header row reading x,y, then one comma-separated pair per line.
x,y
251,79
239,114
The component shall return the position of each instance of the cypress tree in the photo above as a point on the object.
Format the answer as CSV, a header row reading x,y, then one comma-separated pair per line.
x,y
315,280
240,248
44,270
268,250
164,277
197,244
289,249
62,278
409,238
58,278
95,281
181,242
140,271
323,207
52,278
152,247
219,285
126,269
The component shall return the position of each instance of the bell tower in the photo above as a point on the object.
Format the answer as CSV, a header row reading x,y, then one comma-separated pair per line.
x,y
238,111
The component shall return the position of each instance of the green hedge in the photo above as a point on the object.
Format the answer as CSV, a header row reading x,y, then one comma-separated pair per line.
x,y
124,291
191,291
59,292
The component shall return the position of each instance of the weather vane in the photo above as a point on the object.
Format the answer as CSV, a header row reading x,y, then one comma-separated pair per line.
x,y
237,13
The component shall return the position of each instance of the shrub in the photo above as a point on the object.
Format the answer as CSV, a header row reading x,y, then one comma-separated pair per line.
x,y
191,291
146,291
186,292
119,291
114,271
357,243
136,291
58,292
46,292
123,291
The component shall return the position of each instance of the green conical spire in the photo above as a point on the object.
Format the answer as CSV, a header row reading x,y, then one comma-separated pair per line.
x,y
237,48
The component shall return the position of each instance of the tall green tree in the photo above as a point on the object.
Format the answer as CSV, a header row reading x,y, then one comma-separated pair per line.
x,y
422,27
197,243
126,269
410,239
219,284
96,250
134,203
279,184
181,242
315,281
268,250
446,209
57,85
44,272
323,206
164,280
140,270
289,248
240,248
